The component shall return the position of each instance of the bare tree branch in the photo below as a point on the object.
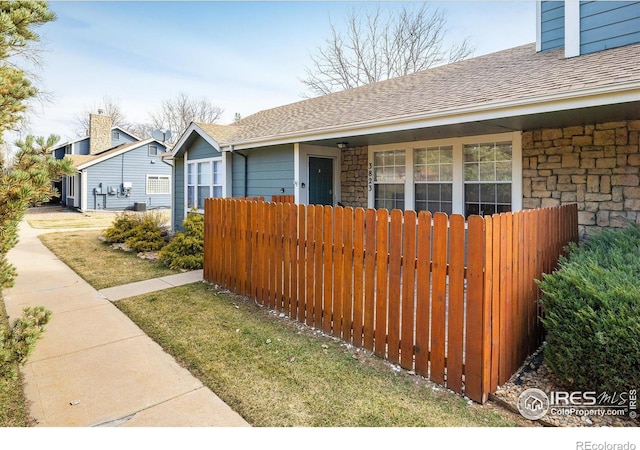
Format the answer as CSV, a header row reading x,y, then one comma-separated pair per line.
x,y
378,46
111,108
177,113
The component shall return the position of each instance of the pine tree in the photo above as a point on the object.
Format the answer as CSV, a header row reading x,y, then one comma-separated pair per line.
x,y
27,182
18,20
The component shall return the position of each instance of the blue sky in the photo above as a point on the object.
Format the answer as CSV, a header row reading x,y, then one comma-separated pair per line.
x,y
243,56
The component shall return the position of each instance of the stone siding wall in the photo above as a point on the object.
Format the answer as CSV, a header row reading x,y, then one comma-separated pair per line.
x,y
354,177
99,133
596,166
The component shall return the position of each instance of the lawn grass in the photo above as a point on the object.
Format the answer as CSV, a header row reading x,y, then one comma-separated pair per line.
x,y
54,218
278,373
99,264
13,405
77,221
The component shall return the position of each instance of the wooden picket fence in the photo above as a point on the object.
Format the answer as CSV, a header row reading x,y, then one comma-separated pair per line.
x,y
283,198
454,300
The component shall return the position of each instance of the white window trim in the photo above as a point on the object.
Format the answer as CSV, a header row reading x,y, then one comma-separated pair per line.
x,y
571,28
223,182
168,177
458,167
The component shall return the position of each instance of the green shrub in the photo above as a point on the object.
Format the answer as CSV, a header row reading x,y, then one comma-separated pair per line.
x,y
19,340
141,232
592,313
146,237
122,228
186,249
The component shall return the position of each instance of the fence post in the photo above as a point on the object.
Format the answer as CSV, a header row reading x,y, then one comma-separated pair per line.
x,y
382,278
408,291
423,306
477,369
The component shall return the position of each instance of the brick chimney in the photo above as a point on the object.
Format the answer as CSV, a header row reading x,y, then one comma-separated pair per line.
x,y
99,132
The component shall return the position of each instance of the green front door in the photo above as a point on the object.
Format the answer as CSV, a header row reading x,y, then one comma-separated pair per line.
x,y
320,181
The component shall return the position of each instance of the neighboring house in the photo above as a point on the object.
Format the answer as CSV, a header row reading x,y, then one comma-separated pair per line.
x,y
101,134
80,146
115,171
533,126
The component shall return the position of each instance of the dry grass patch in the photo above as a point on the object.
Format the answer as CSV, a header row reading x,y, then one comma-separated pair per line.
x,y
99,264
74,221
278,373
48,218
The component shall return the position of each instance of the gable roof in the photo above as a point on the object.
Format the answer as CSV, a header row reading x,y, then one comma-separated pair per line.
x,y
83,161
518,77
73,141
214,134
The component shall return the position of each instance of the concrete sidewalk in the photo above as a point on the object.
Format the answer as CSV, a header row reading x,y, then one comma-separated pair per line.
x,y
156,284
94,366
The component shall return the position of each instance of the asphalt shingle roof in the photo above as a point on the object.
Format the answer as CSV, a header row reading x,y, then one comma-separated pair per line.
x,y
518,73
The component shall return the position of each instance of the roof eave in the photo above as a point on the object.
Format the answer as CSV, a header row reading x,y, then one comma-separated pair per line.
x,y
574,99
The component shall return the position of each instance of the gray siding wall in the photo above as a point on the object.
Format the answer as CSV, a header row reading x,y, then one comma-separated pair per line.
x,y
178,189
552,25
132,166
606,25
201,149
198,149
81,147
59,153
269,170
123,138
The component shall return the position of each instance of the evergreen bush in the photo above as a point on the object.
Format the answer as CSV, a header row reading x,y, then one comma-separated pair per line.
x,y
592,313
186,249
141,232
19,340
146,237
122,228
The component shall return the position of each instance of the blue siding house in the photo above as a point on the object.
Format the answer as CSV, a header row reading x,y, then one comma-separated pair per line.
x,y
114,170
129,176
552,122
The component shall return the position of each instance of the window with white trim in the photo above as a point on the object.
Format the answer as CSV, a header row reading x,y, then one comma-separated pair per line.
x,y
389,173
487,178
71,186
433,178
204,180
472,175
158,185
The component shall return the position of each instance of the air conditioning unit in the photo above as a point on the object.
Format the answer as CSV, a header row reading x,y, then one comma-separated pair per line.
x,y
140,206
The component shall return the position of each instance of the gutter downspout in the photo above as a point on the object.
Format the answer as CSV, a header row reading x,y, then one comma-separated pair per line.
x,y
246,170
